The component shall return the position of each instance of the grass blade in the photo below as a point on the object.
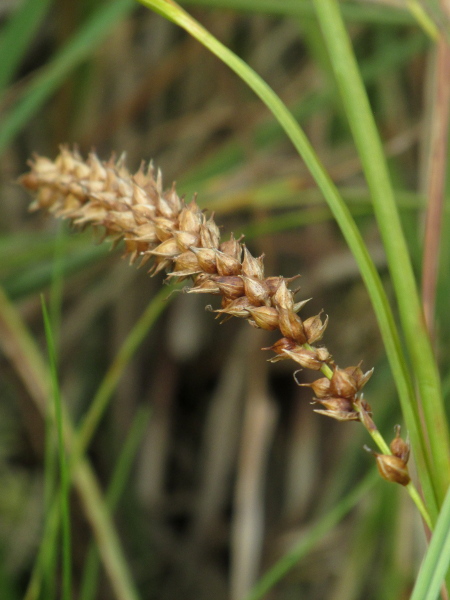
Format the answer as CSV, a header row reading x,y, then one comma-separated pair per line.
x,y
64,471
372,157
437,559
343,217
16,36
21,349
295,8
104,393
88,586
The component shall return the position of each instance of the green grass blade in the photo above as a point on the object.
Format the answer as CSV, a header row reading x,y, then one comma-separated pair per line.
x,y
43,566
77,49
392,56
16,36
104,393
314,535
57,284
351,12
64,472
88,586
375,168
421,16
303,8
98,512
343,217
21,349
437,559
22,284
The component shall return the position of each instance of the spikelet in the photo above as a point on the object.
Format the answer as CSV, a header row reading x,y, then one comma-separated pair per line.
x,y
157,226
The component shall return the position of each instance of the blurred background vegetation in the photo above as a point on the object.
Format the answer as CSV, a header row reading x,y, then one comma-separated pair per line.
x,y
230,470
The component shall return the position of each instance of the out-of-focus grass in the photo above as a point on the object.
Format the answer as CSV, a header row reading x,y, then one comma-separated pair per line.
x,y
163,98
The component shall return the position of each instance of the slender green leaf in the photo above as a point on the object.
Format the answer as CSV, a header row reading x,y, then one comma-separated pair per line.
x,y
304,8
418,343
105,391
19,346
63,466
31,280
437,559
342,215
16,35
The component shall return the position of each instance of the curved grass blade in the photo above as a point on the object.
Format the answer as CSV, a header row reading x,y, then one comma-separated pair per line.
x,y
372,157
16,34
21,349
104,393
171,11
437,559
294,8
64,486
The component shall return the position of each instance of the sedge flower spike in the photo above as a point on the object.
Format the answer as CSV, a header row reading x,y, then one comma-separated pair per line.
x,y
159,228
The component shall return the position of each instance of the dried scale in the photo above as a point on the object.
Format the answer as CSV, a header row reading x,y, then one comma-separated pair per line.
x,y
158,226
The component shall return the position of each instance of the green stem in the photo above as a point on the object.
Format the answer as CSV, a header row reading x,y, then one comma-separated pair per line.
x,y
21,349
417,499
109,383
64,493
427,24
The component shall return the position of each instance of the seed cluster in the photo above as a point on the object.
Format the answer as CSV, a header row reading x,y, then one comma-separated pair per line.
x,y
158,225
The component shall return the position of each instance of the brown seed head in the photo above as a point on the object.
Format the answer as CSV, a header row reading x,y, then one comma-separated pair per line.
x,y
399,447
206,258
158,225
309,359
226,264
340,409
251,266
283,297
255,290
342,384
280,346
320,387
314,328
232,247
231,287
291,325
265,317
392,468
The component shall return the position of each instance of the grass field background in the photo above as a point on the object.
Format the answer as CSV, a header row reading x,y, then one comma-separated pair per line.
x,y
206,473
